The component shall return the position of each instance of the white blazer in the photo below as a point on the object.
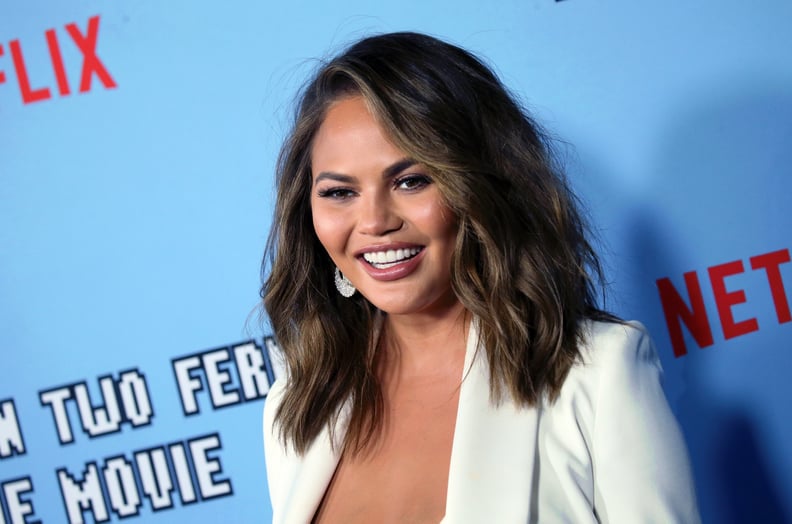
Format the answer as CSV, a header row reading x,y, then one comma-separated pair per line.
x,y
608,450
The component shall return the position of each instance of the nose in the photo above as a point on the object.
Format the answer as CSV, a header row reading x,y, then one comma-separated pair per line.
x,y
378,215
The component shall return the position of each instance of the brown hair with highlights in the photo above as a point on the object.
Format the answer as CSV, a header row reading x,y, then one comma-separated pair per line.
x,y
523,265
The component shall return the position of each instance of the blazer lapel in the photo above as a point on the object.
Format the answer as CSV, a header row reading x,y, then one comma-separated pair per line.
x,y
313,473
492,458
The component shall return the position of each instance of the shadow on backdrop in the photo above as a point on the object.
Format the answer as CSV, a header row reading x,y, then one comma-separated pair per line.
x,y
720,190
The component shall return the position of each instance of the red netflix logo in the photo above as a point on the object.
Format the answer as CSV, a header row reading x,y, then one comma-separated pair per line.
x,y
695,317
91,64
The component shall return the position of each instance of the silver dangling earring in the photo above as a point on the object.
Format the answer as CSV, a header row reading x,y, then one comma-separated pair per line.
x,y
343,285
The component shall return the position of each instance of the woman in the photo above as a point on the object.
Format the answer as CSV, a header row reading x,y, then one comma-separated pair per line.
x,y
433,293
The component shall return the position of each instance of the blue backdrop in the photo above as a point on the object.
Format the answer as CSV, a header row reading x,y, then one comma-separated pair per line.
x,y
137,145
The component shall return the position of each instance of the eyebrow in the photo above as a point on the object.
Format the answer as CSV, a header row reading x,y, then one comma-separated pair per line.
x,y
390,171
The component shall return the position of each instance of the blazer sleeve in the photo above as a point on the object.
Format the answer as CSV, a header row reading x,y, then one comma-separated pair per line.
x,y
640,462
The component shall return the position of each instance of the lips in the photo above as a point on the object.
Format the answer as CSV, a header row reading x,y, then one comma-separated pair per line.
x,y
392,263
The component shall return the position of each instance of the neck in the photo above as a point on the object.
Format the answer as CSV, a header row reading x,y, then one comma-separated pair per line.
x,y
427,343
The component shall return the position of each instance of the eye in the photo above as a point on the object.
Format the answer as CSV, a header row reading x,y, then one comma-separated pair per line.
x,y
412,182
335,193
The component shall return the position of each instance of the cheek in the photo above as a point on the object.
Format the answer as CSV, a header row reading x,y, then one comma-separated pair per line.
x,y
323,233
438,222
329,230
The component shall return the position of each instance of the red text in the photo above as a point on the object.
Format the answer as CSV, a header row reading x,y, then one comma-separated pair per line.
x,y
92,67
693,313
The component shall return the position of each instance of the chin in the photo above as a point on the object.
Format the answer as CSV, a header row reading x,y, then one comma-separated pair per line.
x,y
392,308
410,305
391,305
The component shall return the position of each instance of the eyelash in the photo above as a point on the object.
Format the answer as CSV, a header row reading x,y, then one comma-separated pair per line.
x,y
422,181
342,193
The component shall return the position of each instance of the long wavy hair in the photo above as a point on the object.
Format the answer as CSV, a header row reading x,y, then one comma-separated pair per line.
x,y
523,265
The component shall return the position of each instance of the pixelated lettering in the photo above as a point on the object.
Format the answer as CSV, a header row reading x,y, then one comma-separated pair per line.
x,y
227,380
56,400
135,398
206,468
121,487
188,384
252,371
11,442
103,419
182,470
85,495
19,508
218,378
155,479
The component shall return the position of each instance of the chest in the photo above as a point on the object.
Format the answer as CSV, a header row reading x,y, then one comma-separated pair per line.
x,y
404,476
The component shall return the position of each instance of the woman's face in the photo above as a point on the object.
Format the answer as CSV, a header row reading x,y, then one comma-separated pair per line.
x,y
379,215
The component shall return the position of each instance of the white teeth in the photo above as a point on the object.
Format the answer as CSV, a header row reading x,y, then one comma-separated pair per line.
x,y
384,259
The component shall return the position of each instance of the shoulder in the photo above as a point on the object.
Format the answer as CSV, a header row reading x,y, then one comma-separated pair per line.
x,y
617,381
612,354
612,343
616,417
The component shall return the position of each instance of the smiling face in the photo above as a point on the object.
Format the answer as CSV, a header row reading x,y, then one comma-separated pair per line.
x,y
379,215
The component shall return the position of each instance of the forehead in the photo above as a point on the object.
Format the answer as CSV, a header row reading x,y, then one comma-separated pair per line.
x,y
350,137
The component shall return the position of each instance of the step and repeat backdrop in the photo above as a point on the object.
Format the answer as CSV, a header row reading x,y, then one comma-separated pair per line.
x,y
137,145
